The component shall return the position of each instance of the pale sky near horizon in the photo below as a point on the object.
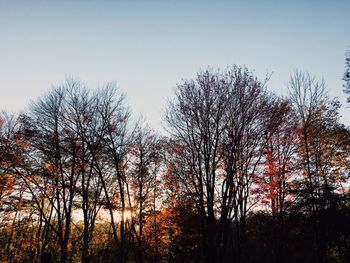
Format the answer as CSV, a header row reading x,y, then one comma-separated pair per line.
x,y
146,47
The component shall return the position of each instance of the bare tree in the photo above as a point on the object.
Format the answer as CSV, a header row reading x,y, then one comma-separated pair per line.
x,y
54,155
145,162
83,120
275,184
322,141
196,119
116,136
346,76
308,97
218,121
243,145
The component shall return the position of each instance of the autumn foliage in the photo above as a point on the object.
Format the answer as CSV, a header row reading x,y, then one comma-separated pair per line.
x,y
243,175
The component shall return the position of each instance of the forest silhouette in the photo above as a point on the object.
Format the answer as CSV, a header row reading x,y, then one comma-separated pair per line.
x,y
243,175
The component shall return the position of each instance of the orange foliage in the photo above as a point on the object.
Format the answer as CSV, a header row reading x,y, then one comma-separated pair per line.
x,y
22,144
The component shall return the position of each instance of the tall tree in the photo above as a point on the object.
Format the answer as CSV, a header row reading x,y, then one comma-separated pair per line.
x,y
275,184
346,76
195,118
145,160
217,123
321,142
54,155
308,97
116,139
246,117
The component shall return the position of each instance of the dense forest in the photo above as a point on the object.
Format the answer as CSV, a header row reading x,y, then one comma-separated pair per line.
x,y
243,175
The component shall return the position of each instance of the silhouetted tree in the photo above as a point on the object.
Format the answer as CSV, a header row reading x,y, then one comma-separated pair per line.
x,y
320,146
245,175
145,160
218,122
346,77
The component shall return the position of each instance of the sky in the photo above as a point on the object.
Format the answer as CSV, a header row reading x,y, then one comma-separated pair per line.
x,y
147,47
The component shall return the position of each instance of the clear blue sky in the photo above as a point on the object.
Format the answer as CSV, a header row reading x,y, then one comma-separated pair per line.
x,y
146,47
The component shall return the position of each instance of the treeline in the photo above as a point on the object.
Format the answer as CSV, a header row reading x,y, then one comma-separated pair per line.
x,y
244,175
